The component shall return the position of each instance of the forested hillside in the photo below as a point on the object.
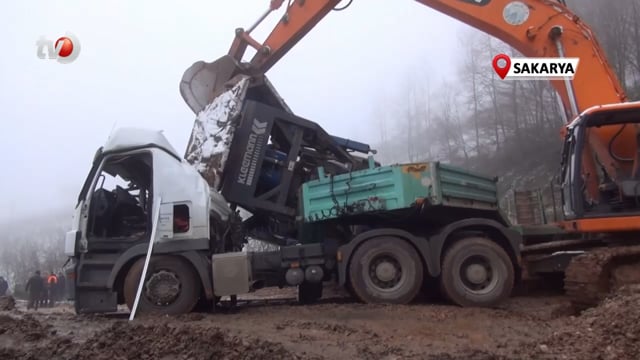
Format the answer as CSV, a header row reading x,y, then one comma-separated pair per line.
x,y
504,128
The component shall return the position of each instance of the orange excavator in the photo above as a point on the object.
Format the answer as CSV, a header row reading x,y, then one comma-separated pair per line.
x,y
595,243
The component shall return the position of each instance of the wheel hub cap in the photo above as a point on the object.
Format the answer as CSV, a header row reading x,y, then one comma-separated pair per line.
x,y
163,287
477,274
385,271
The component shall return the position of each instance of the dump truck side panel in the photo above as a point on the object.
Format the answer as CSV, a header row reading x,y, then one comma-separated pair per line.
x,y
395,187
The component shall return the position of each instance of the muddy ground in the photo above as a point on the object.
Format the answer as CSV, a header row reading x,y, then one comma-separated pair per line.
x,y
532,327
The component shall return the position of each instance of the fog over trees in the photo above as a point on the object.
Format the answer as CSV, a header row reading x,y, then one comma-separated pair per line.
x,y
510,129
32,244
475,120
504,128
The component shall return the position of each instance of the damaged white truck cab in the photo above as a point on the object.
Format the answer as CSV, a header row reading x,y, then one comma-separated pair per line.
x,y
112,223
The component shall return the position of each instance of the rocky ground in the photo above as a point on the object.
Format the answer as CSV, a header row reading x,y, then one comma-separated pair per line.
x,y
533,327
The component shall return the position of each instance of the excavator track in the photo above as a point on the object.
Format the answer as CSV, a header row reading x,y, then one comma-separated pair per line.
x,y
591,276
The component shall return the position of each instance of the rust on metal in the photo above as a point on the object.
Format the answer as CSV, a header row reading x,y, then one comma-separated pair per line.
x,y
415,170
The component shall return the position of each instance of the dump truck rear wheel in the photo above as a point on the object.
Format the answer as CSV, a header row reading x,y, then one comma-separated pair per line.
x,y
477,272
386,270
171,286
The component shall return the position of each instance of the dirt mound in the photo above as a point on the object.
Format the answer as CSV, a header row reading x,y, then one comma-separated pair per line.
x,y
469,355
126,341
21,333
7,303
123,340
609,331
26,328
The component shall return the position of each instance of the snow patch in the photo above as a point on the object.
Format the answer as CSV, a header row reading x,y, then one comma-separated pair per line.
x,y
212,133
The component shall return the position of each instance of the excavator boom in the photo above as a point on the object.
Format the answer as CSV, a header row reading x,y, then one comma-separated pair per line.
x,y
536,28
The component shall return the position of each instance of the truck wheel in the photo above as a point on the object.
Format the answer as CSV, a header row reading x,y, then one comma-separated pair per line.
x,y
386,270
171,286
477,272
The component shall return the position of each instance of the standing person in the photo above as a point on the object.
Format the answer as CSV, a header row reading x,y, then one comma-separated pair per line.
x,y
4,286
35,288
52,286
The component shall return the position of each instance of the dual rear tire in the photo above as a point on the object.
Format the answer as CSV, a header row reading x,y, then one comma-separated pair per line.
x,y
475,272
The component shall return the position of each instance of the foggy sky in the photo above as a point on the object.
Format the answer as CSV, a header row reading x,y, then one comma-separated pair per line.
x,y
133,55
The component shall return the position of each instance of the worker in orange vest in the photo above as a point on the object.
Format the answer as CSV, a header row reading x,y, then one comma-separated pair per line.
x,y
52,287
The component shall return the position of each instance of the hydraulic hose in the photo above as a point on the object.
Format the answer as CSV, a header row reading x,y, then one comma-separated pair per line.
x,y
613,155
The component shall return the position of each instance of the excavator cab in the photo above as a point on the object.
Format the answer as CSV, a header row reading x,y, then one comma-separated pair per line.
x,y
600,163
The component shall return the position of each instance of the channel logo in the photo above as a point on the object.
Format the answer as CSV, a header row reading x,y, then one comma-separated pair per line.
x,y
65,50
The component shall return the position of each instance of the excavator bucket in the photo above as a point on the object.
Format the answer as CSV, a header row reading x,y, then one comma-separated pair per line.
x,y
203,81
216,93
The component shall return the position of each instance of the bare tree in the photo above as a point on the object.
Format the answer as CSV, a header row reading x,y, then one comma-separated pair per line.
x,y
471,74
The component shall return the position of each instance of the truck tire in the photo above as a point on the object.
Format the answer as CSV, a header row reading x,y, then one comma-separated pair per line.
x,y
171,286
477,272
386,270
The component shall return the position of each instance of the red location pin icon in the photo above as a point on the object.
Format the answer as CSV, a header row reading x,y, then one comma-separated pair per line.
x,y
503,70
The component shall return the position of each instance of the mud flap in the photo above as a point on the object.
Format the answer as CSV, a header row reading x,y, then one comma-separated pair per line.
x,y
203,81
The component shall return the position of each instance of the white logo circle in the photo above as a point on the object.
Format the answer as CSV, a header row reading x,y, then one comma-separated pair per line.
x,y
515,13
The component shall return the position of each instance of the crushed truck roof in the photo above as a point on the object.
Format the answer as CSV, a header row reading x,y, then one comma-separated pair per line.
x,y
129,138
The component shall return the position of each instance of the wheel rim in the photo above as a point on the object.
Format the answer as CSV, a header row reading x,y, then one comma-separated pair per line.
x,y
163,288
384,273
479,274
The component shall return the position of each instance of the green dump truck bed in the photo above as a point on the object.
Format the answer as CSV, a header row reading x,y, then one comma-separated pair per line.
x,y
396,187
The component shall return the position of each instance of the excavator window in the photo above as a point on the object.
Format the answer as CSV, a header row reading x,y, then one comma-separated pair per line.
x,y
613,163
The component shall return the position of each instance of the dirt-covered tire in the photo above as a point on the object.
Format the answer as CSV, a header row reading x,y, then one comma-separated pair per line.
x,y
477,272
386,270
171,286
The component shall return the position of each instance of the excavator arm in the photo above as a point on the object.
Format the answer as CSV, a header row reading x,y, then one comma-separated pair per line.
x,y
299,18
536,28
